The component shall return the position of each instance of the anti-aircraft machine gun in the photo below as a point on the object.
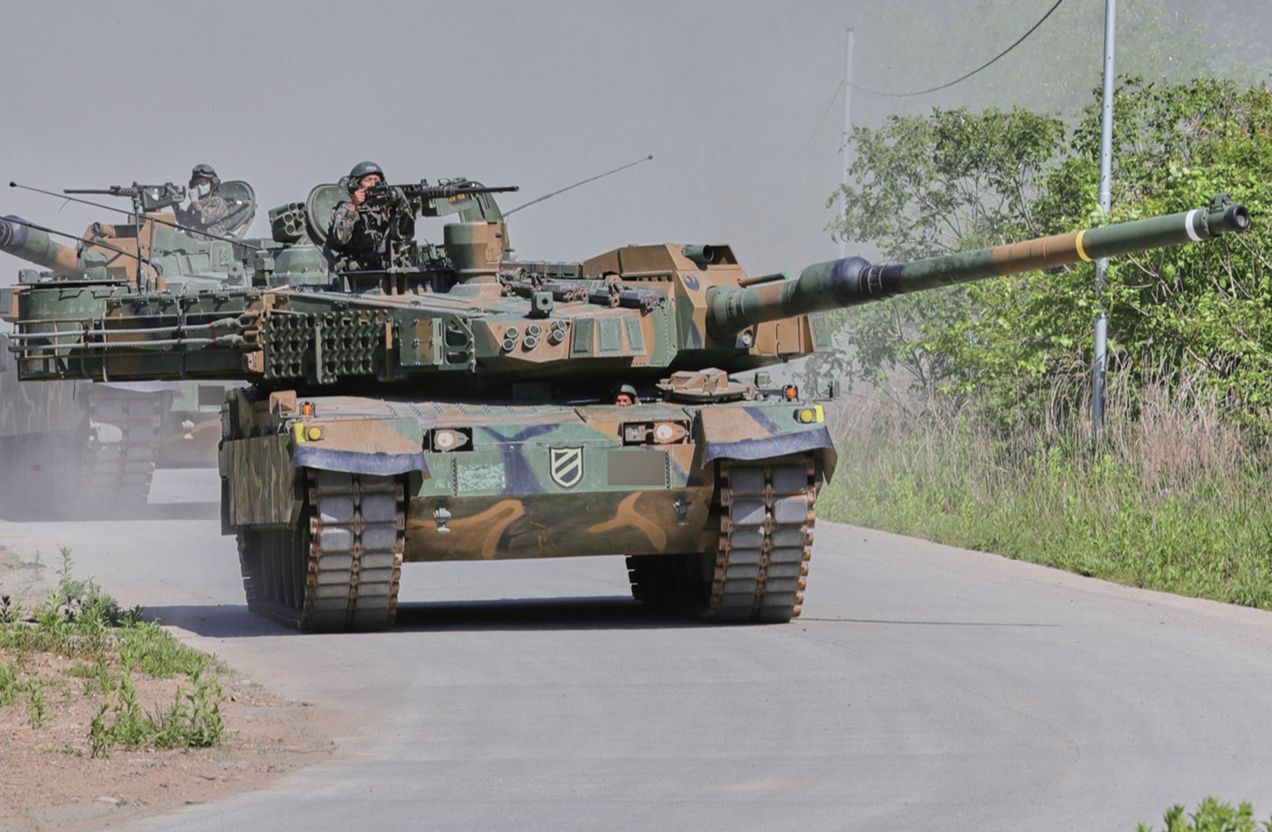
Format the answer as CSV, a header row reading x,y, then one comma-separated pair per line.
x,y
460,410
71,447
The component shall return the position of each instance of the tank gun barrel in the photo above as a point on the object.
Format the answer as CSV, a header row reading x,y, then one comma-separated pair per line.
x,y
852,280
19,238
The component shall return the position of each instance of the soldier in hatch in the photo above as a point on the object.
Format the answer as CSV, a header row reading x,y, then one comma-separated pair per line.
x,y
208,210
363,229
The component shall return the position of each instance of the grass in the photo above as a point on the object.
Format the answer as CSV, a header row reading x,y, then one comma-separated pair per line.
x,y
193,720
113,645
1179,500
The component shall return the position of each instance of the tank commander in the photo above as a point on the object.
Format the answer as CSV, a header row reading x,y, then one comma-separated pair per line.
x,y
208,210
363,228
626,396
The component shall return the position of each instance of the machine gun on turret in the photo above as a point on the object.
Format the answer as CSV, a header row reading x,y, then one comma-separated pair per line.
x,y
145,198
151,199
420,195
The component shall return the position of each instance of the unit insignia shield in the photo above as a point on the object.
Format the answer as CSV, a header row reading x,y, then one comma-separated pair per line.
x,y
565,466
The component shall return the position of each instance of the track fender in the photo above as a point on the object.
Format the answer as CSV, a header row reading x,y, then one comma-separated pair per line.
x,y
377,447
753,432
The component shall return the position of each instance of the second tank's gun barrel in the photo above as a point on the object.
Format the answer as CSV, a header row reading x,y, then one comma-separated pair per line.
x,y
21,240
851,280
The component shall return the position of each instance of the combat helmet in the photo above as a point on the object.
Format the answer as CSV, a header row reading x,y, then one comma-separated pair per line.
x,y
204,171
365,169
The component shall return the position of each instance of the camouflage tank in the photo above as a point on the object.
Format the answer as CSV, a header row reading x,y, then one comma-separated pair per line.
x,y
462,406
102,442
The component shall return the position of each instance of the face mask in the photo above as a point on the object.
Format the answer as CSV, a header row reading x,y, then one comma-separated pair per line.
x,y
202,189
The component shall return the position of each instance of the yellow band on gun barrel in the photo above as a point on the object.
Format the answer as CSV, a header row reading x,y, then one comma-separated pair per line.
x,y
1077,242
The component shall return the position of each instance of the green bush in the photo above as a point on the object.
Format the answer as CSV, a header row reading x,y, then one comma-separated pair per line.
x,y
1213,815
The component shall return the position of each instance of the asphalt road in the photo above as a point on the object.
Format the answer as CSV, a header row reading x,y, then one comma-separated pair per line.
x,y
925,687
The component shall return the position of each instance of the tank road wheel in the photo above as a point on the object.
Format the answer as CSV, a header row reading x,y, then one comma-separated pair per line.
x,y
123,444
758,568
339,568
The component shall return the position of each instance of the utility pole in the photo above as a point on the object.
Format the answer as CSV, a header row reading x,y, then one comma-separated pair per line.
x,y
1106,200
847,161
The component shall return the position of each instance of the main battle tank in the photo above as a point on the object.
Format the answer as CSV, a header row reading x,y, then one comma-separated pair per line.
x,y
461,407
71,446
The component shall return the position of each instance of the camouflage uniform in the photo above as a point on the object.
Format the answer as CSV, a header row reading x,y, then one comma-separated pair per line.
x,y
362,233
208,214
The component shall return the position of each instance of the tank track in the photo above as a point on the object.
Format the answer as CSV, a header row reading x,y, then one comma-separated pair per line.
x,y
758,569
119,473
340,567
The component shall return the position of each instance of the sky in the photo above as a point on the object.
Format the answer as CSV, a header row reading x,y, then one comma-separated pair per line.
x,y
739,104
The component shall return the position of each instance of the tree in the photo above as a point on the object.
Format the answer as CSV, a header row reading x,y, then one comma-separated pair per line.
x,y
957,179
930,185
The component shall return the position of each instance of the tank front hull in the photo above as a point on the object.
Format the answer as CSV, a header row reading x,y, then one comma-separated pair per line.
x,y
514,482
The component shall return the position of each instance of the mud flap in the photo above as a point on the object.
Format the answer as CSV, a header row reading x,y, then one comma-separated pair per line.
x,y
750,434
355,462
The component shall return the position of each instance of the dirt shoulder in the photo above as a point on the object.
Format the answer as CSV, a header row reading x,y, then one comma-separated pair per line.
x,y
49,777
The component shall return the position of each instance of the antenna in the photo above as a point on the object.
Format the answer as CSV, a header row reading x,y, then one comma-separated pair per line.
x,y
578,184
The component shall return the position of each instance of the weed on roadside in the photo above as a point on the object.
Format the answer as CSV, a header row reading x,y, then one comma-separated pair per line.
x,y
1180,502
114,646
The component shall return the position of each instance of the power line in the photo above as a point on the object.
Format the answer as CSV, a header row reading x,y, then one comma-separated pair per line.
x,y
960,78
834,96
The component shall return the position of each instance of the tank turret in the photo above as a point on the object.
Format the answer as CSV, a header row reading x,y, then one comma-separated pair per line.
x,y
466,406
72,448
464,313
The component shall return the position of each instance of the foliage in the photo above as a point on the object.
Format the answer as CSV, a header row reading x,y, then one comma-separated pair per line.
x,y
1206,309
1202,312
932,185
10,687
1178,501
78,620
193,720
1212,815
37,708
